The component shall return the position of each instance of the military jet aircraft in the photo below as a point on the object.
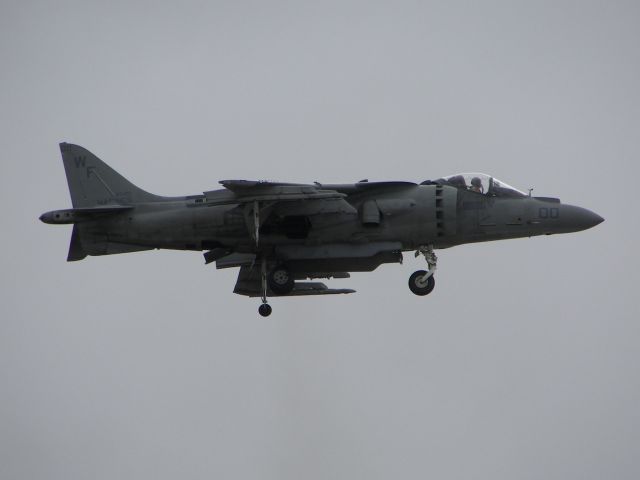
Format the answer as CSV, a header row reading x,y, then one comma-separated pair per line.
x,y
282,234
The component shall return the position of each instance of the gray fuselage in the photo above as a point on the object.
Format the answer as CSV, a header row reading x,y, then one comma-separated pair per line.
x,y
409,216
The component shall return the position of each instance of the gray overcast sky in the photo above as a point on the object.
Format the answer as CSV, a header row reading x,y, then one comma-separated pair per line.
x,y
522,364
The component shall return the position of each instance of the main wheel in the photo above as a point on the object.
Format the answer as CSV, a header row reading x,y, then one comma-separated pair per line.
x,y
264,310
280,280
419,286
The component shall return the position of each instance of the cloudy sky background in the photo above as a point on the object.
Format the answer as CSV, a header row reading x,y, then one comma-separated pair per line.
x,y
524,361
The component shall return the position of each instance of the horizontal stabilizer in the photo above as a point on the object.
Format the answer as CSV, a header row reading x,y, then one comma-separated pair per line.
x,y
86,241
76,252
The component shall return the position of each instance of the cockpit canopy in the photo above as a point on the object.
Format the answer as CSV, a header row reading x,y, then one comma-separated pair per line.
x,y
479,183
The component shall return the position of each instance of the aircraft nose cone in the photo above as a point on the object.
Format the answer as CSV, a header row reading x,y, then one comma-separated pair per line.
x,y
597,219
578,218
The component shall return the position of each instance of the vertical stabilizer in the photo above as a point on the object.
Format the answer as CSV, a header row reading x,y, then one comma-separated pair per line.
x,y
92,182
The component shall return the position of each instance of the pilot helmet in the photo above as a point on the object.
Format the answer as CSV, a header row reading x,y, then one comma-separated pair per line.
x,y
476,182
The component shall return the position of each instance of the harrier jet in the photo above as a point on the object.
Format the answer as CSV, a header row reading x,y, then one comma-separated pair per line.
x,y
282,235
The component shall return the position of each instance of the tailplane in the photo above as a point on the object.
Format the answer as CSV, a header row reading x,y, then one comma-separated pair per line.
x,y
76,251
92,182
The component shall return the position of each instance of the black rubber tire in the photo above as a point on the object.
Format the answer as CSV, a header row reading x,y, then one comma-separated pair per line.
x,y
264,309
280,280
421,288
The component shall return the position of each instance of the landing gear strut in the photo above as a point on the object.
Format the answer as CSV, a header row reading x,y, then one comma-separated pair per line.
x,y
422,281
280,281
265,308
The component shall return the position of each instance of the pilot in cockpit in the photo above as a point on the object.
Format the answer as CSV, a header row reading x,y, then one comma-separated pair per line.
x,y
476,185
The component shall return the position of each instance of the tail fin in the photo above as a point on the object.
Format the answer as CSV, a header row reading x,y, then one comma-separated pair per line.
x,y
76,252
92,182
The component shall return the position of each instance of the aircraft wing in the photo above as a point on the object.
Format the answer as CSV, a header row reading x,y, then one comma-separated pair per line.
x,y
300,199
246,191
260,199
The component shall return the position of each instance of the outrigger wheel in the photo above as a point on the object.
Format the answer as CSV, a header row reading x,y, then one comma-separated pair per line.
x,y
419,285
264,310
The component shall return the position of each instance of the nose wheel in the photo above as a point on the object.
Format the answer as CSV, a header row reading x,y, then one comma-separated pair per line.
x,y
422,282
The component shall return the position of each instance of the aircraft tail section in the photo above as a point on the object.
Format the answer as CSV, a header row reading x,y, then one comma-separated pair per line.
x,y
76,252
88,240
92,182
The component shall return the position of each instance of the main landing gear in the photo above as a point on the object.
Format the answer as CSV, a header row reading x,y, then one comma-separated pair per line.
x,y
422,282
279,280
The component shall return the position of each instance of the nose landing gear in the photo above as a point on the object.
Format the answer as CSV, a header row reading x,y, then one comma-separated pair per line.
x,y
419,285
422,282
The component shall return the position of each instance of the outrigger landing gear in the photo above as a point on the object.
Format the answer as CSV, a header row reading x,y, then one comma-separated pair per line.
x,y
264,309
422,282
